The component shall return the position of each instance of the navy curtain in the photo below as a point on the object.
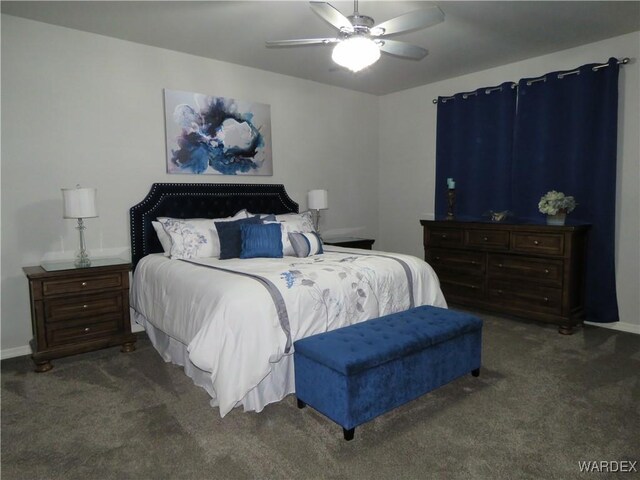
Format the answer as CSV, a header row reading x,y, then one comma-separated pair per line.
x,y
565,140
474,147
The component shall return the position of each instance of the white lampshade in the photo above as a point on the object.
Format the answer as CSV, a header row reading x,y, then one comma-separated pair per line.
x,y
356,53
79,202
317,200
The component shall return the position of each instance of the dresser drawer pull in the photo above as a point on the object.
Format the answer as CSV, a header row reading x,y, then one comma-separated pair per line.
x,y
473,262
85,306
84,284
474,287
546,270
546,299
87,330
536,242
485,239
499,292
500,265
444,235
437,258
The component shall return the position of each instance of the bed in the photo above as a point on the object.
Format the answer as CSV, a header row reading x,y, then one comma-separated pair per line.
x,y
231,323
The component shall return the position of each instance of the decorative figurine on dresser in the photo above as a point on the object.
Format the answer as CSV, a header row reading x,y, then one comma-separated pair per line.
x,y
76,310
532,271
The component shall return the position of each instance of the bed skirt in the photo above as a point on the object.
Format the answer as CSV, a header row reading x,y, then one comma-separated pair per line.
x,y
279,383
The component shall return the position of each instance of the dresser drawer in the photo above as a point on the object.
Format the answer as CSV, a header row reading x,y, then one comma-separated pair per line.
x,y
82,306
526,296
81,284
74,332
515,267
444,237
459,288
541,243
456,260
489,239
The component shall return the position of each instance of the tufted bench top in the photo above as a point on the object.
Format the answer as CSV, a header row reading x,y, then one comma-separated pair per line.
x,y
362,346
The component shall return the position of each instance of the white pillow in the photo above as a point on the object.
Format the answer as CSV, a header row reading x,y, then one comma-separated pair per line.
x,y
165,239
294,223
195,237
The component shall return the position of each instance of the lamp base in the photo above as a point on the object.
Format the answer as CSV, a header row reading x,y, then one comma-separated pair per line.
x,y
82,260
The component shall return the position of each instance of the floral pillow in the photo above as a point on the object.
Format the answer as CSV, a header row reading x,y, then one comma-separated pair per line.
x,y
190,238
294,223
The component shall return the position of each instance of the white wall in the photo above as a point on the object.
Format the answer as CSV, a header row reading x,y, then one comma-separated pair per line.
x,y
88,109
407,142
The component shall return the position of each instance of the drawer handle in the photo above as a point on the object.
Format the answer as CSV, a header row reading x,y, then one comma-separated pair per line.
x,y
536,242
500,265
437,258
444,235
473,262
546,270
474,287
87,330
485,239
85,306
499,292
84,284
546,299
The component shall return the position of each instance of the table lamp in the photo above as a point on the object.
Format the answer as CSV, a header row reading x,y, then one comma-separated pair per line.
x,y
317,200
80,203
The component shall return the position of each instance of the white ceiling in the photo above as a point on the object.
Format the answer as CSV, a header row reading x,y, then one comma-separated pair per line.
x,y
475,35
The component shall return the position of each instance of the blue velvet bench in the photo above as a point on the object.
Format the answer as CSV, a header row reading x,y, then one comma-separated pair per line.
x,y
355,373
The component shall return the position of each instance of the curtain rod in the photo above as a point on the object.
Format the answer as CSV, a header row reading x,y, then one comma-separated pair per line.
x,y
623,61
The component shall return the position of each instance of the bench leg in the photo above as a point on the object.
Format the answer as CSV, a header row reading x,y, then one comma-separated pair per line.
x,y
476,372
348,434
301,404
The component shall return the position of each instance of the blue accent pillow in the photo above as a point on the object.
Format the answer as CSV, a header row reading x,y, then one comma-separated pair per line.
x,y
306,244
230,238
261,241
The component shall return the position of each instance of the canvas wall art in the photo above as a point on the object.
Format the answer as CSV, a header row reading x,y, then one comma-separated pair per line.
x,y
217,135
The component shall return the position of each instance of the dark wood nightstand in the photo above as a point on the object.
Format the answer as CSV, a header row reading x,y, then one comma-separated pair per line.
x,y
77,310
351,242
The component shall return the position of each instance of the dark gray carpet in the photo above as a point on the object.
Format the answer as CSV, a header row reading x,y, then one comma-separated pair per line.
x,y
542,403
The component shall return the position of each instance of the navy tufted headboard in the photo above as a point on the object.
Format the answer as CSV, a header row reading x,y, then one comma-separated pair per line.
x,y
200,200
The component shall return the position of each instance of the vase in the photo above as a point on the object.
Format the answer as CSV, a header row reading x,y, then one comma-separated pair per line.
x,y
557,219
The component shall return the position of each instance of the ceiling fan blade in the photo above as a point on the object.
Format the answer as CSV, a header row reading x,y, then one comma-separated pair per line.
x,y
402,49
410,21
301,41
329,13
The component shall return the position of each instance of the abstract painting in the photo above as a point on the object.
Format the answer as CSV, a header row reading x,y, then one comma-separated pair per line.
x,y
217,135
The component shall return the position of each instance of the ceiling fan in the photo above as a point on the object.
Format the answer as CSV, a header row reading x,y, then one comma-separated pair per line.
x,y
359,40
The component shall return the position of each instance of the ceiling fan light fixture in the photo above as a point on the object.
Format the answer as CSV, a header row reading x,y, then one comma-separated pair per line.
x,y
356,53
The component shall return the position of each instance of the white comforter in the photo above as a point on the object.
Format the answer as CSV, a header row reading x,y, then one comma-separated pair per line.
x,y
232,325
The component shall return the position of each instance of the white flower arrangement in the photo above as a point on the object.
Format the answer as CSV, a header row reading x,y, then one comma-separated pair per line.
x,y
553,202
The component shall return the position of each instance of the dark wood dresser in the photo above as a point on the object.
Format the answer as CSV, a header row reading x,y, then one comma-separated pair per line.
x,y
76,310
526,270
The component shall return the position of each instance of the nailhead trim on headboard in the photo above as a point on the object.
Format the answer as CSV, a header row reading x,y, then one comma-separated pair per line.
x,y
215,200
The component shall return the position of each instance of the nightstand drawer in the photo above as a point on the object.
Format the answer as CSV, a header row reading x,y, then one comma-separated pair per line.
x,y
456,260
65,308
542,243
81,284
489,239
516,267
64,333
444,237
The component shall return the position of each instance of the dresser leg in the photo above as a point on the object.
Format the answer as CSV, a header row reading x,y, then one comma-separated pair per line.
x,y
301,404
565,330
42,367
128,347
476,372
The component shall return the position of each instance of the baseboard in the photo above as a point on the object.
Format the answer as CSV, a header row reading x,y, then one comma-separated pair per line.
x,y
621,326
15,352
